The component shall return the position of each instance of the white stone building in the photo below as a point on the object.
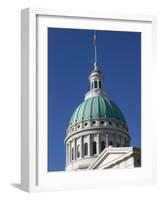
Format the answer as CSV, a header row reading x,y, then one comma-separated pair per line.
x,y
98,136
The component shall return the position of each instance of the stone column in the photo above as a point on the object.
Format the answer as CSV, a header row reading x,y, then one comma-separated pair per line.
x,y
114,140
98,144
75,149
81,147
107,140
91,83
120,141
69,152
89,146
66,154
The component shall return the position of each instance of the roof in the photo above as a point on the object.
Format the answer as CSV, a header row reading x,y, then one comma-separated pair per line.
x,y
97,107
111,156
96,72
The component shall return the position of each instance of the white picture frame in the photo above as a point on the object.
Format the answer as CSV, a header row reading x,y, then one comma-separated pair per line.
x,y
34,175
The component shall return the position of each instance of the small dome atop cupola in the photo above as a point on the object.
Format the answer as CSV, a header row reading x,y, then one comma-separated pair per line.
x,y
96,73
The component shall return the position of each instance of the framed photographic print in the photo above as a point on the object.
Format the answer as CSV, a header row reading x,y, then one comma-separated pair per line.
x,y
86,102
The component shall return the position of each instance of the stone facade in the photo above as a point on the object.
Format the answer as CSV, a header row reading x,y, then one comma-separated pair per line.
x,y
118,158
85,141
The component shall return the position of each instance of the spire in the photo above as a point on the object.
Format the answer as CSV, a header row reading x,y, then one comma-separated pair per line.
x,y
95,51
96,77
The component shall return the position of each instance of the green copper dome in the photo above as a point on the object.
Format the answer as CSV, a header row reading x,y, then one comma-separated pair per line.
x,y
97,107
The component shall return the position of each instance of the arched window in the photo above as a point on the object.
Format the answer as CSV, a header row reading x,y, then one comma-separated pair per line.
x,y
103,145
78,151
94,148
125,142
99,84
95,84
72,153
117,144
111,143
85,149
138,161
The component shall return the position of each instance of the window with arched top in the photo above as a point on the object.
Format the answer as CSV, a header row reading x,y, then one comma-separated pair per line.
x,y
99,84
94,148
111,143
125,142
86,149
103,145
138,161
95,84
78,151
72,153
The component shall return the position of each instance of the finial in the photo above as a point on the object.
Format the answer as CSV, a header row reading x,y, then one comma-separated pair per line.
x,y
95,66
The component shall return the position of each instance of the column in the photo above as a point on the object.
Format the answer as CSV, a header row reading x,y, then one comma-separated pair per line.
x,y
107,140
92,84
75,150
81,147
120,141
98,144
114,140
89,146
66,154
69,152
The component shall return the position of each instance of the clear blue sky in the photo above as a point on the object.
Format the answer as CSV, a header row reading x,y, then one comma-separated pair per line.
x,y
70,61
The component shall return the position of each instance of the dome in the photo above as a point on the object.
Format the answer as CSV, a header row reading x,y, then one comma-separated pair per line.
x,y
96,72
97,107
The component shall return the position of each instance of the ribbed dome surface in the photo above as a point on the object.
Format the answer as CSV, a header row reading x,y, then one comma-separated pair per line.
x,y
96,108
